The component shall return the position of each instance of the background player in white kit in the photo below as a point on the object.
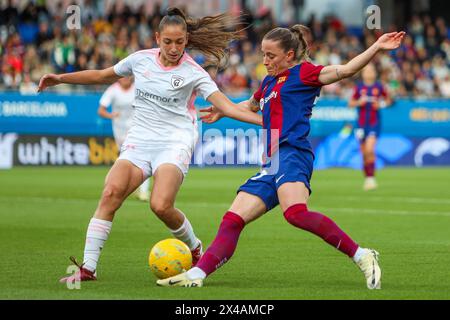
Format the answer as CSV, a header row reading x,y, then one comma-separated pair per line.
x,y
120,96
163,135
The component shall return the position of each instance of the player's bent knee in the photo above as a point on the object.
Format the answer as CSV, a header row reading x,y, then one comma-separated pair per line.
x,y
294,212
161,208
113,192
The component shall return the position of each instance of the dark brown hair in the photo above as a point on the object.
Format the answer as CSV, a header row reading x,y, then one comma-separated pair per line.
x,y
293,38
210,35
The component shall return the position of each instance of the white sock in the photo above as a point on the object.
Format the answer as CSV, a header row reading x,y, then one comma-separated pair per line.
x,y
186,234
145,186
196,273
97,233
360,252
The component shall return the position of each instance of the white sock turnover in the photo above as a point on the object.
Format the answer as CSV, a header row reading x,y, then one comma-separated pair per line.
x,y
196,273
97,234
360,252
186,234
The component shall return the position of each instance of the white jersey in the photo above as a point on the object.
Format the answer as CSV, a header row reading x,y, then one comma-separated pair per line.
x,y
164,99
121,101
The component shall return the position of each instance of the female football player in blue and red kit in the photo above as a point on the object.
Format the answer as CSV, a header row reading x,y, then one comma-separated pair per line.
x,y
369,97
286,98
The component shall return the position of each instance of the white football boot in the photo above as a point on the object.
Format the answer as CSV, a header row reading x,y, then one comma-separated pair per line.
x,y
368,264
180,280
370,184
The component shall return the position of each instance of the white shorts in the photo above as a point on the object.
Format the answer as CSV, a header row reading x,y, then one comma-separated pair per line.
x,y
149,159
119,141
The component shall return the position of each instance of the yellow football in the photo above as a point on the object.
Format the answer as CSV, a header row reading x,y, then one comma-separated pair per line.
x,y
169,257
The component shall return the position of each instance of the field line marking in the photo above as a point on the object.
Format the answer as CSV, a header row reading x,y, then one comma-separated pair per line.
x,y
384,211
394,199
226,204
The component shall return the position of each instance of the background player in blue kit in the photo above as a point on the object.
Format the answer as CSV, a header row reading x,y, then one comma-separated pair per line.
x,y
286,98
369,97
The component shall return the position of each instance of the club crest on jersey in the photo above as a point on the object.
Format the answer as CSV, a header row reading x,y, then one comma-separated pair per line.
x,y
281,80
177,81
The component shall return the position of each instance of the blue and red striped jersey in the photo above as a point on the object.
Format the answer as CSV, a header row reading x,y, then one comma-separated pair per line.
x,y
368,114
286,102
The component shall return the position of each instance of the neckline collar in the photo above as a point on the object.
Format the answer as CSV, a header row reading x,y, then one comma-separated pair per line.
x,y
285,72
180,62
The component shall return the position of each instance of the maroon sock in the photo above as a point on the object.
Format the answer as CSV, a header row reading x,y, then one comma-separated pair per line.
x,y
369,169
322,226
223,246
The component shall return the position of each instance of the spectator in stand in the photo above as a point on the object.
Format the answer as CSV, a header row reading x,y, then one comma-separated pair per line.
x,y
110,33
27,86
439,69
10,15
444,87
264,21
247,20
44,34
424,86
409,85
64,54
11,79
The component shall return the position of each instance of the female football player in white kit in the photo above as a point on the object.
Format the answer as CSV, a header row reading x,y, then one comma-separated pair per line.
x,y
163,134
120,96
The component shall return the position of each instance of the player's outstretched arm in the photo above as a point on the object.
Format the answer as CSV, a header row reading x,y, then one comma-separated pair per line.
x,y
212,114
333,73
223,107
250,104
105,76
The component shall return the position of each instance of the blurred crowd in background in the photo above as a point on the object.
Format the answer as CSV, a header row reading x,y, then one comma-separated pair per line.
x,y
35,41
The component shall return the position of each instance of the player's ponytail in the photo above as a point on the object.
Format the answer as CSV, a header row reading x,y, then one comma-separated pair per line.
x,y
301,32
210,35
293,38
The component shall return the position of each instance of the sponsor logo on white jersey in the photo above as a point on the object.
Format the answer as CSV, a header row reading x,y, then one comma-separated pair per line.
x,y
150,96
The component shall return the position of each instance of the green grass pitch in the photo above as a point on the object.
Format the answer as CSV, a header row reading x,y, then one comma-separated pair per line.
x,y
44,214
